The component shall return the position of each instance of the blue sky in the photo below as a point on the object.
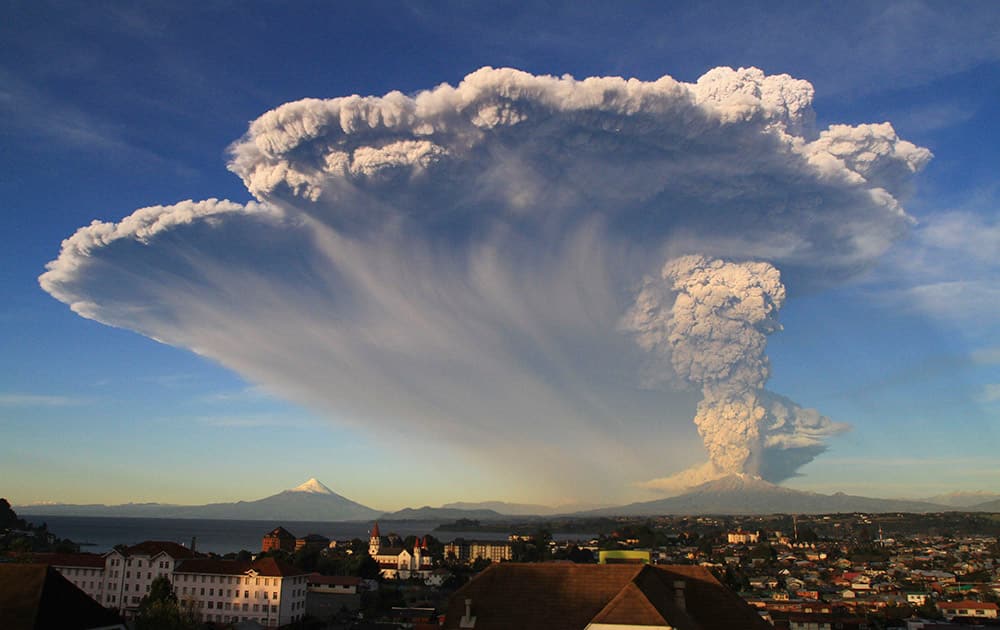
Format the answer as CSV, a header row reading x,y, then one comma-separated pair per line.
x,y
118,106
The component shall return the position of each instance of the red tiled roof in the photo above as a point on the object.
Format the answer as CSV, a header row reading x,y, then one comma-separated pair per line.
x,y
153,547
279,532
268,567
569,597
375,533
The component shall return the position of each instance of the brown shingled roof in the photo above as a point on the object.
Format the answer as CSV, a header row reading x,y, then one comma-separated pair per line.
x,y
631,607
569,597
36,597
88,560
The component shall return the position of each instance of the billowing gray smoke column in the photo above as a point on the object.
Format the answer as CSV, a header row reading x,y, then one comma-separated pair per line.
x,y
709,320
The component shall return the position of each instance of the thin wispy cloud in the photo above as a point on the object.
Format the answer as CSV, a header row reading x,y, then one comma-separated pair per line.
x,y
987,356
255,421
991,393
247,394
950,269
20,399
914,42
935,116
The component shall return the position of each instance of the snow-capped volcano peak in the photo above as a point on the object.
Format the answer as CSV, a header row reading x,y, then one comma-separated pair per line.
x,y
313,486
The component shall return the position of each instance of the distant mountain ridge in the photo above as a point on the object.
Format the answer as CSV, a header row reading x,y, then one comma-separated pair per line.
x,y
519,509
736,494
311,501
964,499
428,513
989,506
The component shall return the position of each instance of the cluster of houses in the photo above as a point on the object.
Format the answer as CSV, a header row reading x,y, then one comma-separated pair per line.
x,y
819,584
743,580
395,560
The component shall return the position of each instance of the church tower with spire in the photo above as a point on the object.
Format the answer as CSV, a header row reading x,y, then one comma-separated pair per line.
x,y
375,541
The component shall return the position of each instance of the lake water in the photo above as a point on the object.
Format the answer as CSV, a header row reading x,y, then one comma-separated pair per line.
x,y
100,534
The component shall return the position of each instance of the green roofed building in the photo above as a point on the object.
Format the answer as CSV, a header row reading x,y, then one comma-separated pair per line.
x,y
615,556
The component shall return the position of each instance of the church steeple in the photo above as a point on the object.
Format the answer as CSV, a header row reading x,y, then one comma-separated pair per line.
x,y
375,541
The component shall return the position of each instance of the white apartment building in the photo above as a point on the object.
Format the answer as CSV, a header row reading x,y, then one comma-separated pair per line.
x,y
128,575
85,570
469,551
118,579
267,591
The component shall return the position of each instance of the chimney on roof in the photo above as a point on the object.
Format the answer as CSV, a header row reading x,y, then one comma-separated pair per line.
x,y
467,620
679,600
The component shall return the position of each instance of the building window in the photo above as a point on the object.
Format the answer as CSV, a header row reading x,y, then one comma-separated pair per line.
x,y
246,595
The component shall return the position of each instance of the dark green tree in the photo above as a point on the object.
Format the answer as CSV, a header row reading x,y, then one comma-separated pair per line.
x,y
480,563
159,610
580,556
764,551
8,518
367,568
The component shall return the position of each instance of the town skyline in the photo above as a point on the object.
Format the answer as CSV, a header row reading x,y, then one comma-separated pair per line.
x,y
407,296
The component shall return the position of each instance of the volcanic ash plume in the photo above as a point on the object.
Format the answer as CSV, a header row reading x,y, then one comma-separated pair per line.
x,y
713,335
449,269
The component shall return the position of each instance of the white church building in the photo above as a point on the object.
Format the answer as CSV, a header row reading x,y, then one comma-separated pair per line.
x,y
398,562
